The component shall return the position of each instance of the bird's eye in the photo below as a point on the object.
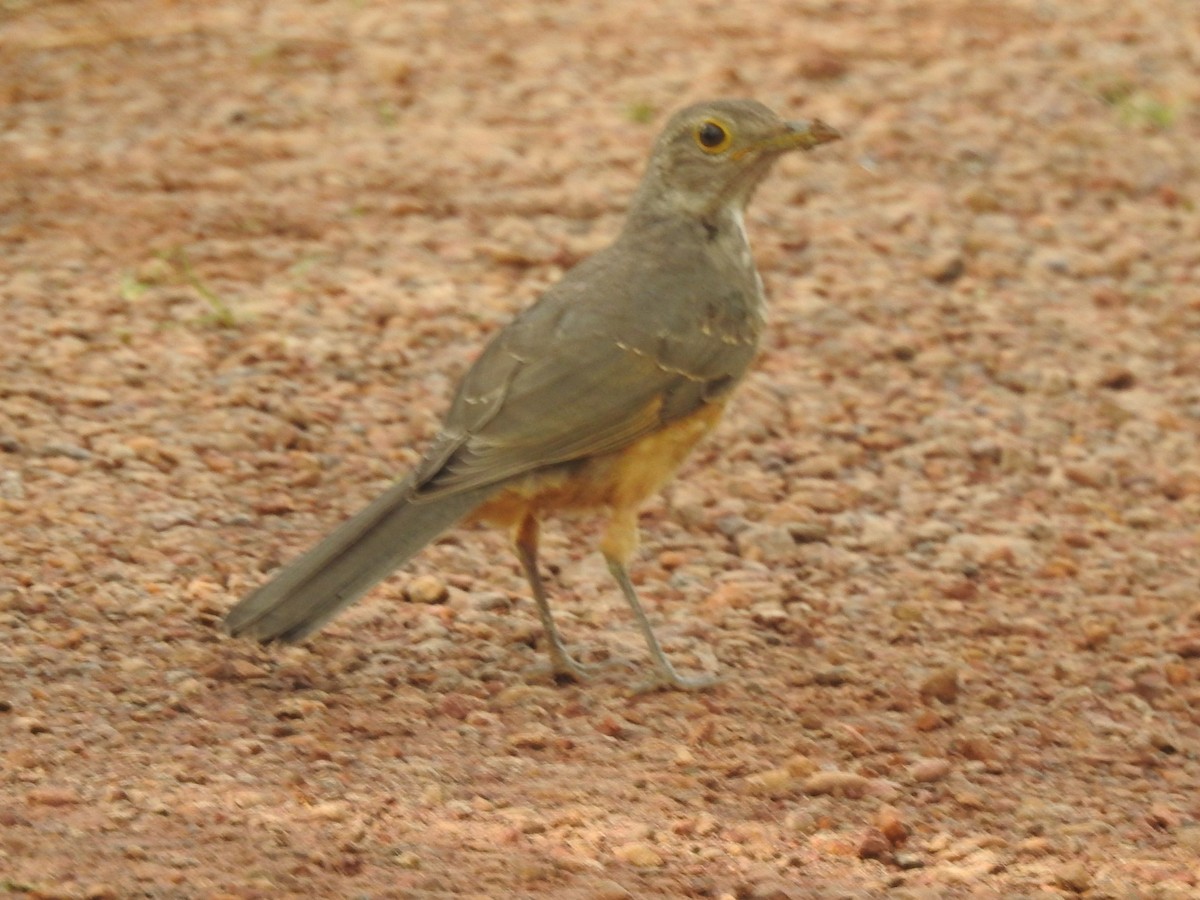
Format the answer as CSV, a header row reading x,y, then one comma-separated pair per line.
x,y
713,137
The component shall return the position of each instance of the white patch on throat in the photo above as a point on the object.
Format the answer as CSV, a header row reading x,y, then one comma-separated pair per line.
x,y
745,257
739,227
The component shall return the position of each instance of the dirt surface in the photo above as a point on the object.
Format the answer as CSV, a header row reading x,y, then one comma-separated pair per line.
x,y
943,549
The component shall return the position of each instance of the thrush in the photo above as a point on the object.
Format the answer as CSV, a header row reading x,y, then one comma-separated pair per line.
x,y
589,400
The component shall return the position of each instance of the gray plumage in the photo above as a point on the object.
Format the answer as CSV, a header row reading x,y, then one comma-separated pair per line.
x,y
643,334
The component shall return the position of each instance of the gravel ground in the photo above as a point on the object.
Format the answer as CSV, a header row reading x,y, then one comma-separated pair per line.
x,y
943,549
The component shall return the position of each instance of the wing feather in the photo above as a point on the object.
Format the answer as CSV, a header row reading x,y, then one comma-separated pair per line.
x,y
585,371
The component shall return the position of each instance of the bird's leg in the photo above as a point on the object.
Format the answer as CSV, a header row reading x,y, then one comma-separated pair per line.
x,y
618,545
527,548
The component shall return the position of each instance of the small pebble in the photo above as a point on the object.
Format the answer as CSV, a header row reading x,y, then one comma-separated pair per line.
x,y
242,668
607,889
426,589
891,824
800,765
1089,473
770,544
845,784
929,770
53,796
770,783
329,811
1073,876
834,676
808,532
941,685
537,737
406,859
638,853
874,845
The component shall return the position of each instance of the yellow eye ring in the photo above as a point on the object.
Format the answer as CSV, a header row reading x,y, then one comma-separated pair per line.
x,y
712,136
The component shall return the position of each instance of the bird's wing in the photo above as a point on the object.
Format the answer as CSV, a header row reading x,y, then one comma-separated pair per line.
x,y
569,380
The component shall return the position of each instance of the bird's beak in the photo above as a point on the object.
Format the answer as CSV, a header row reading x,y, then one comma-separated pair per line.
x,y
802,135
805,135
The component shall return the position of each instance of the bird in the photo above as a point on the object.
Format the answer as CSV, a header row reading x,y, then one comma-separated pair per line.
x,y
588,400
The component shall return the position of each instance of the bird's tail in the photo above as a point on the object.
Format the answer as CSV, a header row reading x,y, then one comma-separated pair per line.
x,y
353,558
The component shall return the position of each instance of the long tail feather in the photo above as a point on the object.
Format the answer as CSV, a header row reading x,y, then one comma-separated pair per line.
x,y
347,563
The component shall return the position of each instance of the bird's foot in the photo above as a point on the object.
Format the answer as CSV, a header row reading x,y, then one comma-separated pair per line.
x,y
667,678
563,667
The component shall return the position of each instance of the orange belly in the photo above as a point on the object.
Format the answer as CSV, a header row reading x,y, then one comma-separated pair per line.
x,y
619,481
